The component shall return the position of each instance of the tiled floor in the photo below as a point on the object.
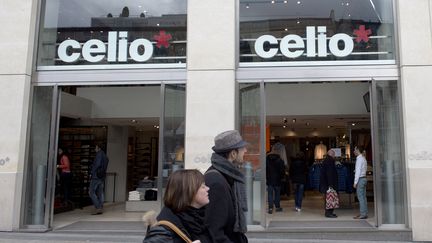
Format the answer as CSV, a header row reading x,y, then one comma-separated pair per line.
x,y
312,210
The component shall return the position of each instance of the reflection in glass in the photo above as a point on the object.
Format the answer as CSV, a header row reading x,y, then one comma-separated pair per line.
x,y
250,129
36,171
389,153
173,129
161,22
368,22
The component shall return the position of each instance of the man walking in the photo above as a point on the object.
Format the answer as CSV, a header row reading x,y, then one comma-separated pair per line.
x,y
225,212
360,182
98,174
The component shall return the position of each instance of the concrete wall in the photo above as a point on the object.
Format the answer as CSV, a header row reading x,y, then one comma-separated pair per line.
x,y
415,43
210,94
17,38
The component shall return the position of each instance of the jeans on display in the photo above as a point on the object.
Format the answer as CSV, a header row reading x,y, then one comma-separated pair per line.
x,y
96,192
299,190
273,196
361,196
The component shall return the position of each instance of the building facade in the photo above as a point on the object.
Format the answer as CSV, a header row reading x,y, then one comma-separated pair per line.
x,y
202,67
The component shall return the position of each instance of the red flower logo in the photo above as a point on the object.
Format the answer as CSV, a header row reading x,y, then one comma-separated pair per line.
x,y
362,34
162,39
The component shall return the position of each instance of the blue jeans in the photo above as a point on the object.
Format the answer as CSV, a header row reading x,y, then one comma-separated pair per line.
x,y
273,193
361,196
299,190
96,192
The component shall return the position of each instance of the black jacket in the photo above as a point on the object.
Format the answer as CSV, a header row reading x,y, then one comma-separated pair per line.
x,y
162,234
275,169
220,214
298,171
328,175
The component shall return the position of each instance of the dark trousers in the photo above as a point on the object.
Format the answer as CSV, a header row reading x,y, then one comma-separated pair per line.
x,y
66,184
273,193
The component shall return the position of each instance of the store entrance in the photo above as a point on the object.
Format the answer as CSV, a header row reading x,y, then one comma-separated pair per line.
x,y
140,128
307,120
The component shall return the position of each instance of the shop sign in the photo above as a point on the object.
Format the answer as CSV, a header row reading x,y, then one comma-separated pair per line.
x,y
293,46
116,50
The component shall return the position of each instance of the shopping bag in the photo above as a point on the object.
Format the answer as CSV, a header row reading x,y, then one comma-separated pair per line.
x,y
332,199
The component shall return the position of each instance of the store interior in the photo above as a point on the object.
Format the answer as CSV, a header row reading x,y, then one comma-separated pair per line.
x,y
125,121
312,118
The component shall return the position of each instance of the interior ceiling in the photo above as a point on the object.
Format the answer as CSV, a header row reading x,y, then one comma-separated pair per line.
x,y
320,122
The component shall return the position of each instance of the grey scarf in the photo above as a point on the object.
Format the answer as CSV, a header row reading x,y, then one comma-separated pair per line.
x,y
240,201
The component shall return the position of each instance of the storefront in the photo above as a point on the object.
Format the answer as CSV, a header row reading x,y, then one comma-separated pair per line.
x,y
302,73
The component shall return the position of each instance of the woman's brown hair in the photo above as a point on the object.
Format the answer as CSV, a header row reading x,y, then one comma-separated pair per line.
x,y
181,189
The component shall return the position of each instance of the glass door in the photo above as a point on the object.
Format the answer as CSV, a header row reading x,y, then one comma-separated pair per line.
x,y
171,132
390,172
40,170
252,129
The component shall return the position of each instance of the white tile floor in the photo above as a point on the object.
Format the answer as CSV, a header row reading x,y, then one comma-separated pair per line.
x,y
312,210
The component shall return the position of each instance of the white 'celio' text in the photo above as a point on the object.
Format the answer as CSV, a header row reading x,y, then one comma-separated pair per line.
x,y
293,46
95,50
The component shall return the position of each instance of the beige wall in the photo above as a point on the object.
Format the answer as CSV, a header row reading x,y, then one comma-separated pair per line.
x,y
415,43
17,36
210,94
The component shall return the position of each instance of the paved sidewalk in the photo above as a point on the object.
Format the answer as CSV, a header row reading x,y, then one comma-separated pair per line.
x,y
53,237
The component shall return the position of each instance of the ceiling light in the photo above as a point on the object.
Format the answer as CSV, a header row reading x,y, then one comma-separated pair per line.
x,y
157,24
286,29
347,4
298,2
294,120
247,5
353,124
139,6
298,21
273,1
285,1
133,121
284,126
328,126
344,136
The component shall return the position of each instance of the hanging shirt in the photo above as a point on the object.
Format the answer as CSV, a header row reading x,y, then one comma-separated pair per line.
x,y
360,168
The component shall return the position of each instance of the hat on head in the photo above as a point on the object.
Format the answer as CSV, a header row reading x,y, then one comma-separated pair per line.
x,y
228,141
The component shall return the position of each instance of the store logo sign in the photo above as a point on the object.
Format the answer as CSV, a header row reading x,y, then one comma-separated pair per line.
x,y
116,50
293,46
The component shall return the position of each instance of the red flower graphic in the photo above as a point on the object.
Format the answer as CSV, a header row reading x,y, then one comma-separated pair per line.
x,y
362,34
162,39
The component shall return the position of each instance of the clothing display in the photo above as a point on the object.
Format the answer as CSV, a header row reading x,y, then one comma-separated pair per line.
x,y
320,151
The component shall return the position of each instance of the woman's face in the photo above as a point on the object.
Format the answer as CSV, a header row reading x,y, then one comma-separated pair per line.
x,y
201,197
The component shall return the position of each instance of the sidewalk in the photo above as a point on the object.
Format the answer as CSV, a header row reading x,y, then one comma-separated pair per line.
x,y
53,237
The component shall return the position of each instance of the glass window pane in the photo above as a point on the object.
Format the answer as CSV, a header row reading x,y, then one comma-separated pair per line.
x,y
311,30
174,130
389,153
96,32
36,174
250,129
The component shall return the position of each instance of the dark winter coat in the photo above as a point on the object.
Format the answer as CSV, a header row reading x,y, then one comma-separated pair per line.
x,y
298,171
190,222
220,213
275,170
328,175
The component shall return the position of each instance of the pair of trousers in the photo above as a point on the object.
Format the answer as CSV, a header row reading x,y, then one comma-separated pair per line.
x,y
66,184
361,196
273,193
96,192
299,190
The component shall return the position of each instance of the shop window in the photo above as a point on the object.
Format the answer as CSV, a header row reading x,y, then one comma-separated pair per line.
x,y
112,34
293,32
